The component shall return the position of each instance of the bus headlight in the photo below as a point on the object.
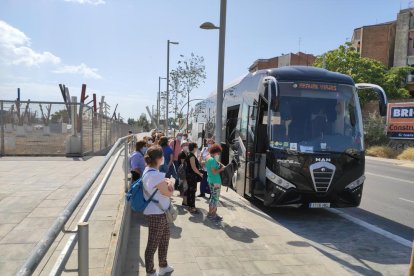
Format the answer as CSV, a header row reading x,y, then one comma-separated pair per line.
x,y
278,180
356,183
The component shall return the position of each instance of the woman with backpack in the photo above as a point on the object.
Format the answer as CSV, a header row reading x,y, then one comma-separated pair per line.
x,y
214,168
194,175
204,154
158,227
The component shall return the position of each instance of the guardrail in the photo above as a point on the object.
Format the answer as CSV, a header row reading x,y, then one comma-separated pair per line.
x,y
80,233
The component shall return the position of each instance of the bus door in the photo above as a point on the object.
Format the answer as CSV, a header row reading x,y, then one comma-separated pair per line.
x,y
247,158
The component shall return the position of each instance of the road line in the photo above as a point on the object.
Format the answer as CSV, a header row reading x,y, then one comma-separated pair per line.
x,y
372,228
412,201
390,177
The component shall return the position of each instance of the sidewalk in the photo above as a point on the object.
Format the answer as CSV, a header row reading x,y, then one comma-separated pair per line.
x,y
247,242
33,191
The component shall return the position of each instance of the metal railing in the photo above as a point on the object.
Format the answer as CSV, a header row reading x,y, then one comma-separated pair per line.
x,y
80,233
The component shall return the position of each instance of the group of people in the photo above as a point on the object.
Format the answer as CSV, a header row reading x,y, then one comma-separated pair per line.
x,y
166,165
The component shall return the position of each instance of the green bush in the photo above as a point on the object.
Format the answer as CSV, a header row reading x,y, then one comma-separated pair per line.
x,y
374,131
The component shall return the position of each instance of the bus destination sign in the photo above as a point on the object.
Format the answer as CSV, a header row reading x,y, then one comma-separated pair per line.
x,y
316,86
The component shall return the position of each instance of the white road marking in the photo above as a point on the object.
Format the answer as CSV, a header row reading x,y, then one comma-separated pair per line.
x,y
412,201
390,177
372,228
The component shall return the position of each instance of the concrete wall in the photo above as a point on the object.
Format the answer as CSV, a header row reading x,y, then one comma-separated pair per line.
x,y
401,38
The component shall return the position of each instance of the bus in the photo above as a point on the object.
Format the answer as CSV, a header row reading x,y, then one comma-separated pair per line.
x,y
295,134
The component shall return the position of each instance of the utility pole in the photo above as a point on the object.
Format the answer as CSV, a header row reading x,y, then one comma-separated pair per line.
x,y
168,84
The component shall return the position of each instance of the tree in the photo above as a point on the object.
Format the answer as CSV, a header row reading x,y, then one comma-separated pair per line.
x,y
347,60
60,116
131,121
143,123
188,75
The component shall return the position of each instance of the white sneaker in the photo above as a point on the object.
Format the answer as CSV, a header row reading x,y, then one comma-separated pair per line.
x,y
165,270
152,274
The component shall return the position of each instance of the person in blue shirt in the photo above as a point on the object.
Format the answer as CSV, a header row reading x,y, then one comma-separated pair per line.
x,y
167,165
136,160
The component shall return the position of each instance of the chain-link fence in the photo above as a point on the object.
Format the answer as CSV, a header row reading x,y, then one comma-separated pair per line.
x,y
46,128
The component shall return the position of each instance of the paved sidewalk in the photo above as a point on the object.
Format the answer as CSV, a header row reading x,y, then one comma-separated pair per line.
x,y
33,191
247,242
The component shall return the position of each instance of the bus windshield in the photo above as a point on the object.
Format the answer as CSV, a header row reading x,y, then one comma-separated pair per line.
x,y
317,117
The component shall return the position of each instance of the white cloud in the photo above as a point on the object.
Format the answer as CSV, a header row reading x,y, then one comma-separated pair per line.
x,y
15,48
91,2
82,69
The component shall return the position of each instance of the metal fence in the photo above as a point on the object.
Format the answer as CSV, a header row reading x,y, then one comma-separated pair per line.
x,y
46,128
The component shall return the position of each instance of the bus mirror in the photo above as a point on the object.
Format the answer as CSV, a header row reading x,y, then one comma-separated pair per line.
x,y
382,97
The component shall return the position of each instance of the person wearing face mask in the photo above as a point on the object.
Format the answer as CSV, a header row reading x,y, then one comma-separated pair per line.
x,y
194,175
136,160
204,154
214,168
158,227
175,145
182,172
166,167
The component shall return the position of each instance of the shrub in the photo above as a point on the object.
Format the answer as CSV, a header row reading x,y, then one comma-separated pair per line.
x,y
382,151
407,154
374,131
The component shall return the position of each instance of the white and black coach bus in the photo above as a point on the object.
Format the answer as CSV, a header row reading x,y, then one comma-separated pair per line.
x,y
296,135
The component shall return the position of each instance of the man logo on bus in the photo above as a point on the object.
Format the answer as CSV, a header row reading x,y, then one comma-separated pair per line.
x,y
402,112
323,159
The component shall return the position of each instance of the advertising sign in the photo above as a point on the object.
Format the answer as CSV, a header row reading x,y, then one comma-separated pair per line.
x,y
400,120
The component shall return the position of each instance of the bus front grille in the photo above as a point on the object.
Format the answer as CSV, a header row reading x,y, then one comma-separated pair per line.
x,y
322,174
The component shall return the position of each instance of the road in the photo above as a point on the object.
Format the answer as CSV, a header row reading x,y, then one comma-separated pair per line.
x,y
387,207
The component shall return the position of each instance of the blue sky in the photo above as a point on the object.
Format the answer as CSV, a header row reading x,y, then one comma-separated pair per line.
x,y
118,47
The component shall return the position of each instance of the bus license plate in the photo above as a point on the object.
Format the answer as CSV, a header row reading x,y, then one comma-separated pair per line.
x,y
319,205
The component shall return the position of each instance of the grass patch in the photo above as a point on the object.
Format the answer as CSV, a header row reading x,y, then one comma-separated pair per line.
x,y
382,151
407,154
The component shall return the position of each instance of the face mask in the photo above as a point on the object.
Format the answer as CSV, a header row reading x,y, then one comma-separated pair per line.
x,y
185,148
217,157
209,145
162,161
179,138
144,150
150,142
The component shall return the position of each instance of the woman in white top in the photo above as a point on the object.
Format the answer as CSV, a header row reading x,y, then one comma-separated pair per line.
x,y
158,226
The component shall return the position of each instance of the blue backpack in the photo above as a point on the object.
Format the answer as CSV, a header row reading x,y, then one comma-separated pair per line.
x,y
135,195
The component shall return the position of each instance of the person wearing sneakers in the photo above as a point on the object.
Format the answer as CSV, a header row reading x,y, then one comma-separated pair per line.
x,y
158,227
214,179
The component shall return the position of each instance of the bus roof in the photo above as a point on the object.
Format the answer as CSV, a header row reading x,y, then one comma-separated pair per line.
x,y
308,73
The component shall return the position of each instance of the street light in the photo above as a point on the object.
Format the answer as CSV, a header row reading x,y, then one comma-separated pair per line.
x,y
220,71
159,100
168,84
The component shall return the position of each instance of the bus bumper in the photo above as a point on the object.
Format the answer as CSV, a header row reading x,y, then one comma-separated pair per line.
x,y
338,197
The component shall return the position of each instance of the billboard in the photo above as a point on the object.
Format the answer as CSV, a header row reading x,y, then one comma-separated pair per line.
x,y
400,120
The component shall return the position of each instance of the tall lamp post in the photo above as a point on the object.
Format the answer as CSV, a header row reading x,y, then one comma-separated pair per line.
x,y
220,74
168,84
159,100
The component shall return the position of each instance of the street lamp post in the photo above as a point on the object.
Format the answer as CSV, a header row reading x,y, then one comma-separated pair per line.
x,y
220,73
168,84
159,100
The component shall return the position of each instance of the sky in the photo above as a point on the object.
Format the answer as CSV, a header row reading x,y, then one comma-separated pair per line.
x,y
118,47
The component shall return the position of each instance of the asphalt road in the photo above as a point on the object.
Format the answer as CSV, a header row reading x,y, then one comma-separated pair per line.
x,y
387,204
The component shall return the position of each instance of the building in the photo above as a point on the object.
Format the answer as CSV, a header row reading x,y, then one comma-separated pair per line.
x,y
376,42
299,58
404,35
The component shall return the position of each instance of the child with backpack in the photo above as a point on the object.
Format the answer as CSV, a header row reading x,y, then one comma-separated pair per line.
x,y
160,189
